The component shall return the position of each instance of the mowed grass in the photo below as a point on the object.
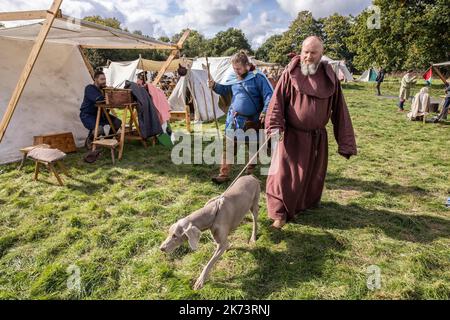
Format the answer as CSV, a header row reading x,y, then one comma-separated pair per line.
x,y
384,207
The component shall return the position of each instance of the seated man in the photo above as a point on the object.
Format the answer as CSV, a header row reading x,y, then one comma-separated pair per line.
x,y
444,112
420,105
88,111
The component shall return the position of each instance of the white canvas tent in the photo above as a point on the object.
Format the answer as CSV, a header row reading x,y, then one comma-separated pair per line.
x,y
51,98
196,81
339,68
117,72
221,67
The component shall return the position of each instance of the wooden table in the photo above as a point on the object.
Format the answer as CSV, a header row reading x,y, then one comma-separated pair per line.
x,y
124,133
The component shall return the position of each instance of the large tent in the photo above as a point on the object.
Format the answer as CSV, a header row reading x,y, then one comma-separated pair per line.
x,y
195,83
51,98
339,68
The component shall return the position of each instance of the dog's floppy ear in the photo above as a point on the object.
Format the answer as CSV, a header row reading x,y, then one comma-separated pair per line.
x,y
193,234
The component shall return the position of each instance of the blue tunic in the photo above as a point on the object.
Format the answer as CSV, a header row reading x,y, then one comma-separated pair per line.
x,y
248,103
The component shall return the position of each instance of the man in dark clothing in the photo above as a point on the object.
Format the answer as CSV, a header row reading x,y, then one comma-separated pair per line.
x,y
444,112
380,79
88,111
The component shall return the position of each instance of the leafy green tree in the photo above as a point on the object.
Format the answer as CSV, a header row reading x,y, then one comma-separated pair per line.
x,y
291,41
263,52
336,29
194,46
228,42
109,22
412,34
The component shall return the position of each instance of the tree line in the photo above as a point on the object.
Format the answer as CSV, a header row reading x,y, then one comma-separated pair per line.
x,y
411,35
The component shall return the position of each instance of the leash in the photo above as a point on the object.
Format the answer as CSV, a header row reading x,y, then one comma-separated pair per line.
x,y
248,163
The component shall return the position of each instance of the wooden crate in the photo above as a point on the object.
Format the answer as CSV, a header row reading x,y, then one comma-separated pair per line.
x,y
63,141
177,115
117,97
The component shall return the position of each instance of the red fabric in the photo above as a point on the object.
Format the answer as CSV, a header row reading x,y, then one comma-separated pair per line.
x,y
427,75
160,101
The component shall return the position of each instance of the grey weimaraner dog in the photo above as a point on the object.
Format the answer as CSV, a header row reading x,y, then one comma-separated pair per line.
x,y
221,215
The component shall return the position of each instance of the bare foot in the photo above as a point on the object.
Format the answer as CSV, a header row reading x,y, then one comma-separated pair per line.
x,y
278,224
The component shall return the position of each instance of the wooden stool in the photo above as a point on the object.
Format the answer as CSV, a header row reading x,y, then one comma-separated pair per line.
x,y
48,157
28,149
110,144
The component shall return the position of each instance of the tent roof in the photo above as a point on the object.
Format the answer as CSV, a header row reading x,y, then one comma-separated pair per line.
x,y
152,65
68,30
441,64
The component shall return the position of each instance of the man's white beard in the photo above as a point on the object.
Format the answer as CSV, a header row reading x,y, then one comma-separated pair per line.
x,y
309,69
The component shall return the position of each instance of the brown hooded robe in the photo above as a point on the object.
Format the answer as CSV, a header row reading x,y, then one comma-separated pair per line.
x,y
301,107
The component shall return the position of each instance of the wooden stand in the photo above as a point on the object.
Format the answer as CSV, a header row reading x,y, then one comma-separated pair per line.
x,y
124,133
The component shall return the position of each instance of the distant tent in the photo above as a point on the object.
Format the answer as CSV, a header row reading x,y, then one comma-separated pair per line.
x,y
118,72
369,75
195,83
339,68
221,67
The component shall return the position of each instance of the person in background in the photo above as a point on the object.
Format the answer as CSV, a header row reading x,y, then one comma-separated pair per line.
x,y
420,105
380,79
444,112
407,83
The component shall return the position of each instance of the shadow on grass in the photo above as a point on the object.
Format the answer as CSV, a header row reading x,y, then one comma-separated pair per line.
x,y
413,228
302,261
336,182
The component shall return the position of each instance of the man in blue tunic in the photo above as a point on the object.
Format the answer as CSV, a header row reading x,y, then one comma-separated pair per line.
x,y
250,92
88,111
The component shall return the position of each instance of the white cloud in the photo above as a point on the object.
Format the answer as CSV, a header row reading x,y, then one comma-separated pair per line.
x,y
158,18
260,29
323,8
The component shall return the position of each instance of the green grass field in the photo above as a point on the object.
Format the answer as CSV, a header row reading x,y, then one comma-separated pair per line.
x,y
384,207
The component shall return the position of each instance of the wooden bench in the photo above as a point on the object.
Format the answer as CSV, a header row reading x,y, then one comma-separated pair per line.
x,y
110,144
48,157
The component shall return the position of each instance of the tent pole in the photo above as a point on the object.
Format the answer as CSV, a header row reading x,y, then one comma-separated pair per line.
x,y
212,98
50,17
172,56
440,74
86,62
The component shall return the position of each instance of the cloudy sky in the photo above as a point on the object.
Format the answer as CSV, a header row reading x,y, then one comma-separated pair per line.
x,y
259,19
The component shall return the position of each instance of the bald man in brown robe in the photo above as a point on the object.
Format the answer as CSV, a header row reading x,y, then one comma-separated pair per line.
x,y
307,95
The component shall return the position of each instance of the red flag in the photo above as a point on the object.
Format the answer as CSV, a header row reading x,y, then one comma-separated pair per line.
x,y
427,75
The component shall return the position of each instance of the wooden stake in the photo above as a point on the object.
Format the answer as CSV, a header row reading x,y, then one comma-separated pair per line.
x,y
50,17
26,15
212,98
86,62
172,56
441,76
